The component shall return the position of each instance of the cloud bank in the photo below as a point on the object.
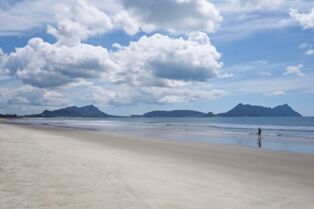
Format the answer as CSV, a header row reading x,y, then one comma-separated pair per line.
x,y
158,68
177,16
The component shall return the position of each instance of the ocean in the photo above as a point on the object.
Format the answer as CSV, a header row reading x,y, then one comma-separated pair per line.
x,y
294,134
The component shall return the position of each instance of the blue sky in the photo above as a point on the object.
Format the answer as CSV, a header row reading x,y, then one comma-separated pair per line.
x,y
129,57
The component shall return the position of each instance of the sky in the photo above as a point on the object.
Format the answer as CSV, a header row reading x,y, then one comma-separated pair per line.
x,y
133,56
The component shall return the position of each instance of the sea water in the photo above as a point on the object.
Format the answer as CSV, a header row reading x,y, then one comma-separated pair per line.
x,y
279,133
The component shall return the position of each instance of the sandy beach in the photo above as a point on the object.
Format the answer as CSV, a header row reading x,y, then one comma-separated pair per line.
x,y
66,168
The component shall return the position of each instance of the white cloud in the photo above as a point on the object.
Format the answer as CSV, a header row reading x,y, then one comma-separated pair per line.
x,y
86,18
306,20
309,52
24,16
129,23
278,93
173,15
294,70
79,21
27,15
43,64
157,59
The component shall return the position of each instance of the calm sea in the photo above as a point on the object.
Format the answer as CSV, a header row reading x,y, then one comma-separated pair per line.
x,y
279,133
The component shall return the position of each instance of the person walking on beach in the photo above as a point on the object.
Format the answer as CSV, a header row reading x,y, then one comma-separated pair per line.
x,y
259,137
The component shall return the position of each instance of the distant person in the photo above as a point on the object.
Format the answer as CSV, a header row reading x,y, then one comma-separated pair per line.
x,y
259,137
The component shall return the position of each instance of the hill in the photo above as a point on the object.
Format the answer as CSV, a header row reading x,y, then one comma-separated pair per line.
x,y
242,110
86,111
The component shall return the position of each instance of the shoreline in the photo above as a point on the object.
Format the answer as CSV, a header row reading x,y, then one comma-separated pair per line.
x,y
294,144
46,167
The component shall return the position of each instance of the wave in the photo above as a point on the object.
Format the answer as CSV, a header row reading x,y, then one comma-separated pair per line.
x,y
264,127
238,126
227,128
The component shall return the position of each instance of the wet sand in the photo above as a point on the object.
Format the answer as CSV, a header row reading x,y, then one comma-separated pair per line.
x,y
66,168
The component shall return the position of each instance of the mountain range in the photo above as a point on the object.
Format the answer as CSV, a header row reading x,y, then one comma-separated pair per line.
x,y
240,110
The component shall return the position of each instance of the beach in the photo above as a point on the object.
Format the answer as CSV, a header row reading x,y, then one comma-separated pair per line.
x,y
49,167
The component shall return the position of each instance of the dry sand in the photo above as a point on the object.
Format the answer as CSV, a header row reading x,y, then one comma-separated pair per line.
x,y
63,168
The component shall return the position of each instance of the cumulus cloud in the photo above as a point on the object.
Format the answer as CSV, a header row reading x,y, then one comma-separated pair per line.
x,y
132,16
79,21
154,60
127,22
306,20
43,64
296,70
173,15
157,60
